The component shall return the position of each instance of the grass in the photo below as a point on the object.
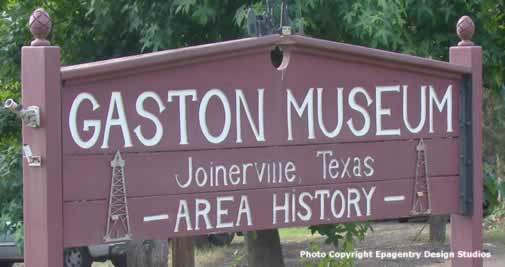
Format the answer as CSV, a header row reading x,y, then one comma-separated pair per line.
x,y
495,235
207,255
216,256
102,264
295,233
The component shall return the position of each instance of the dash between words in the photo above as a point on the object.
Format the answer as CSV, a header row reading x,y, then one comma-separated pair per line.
x,y
308,108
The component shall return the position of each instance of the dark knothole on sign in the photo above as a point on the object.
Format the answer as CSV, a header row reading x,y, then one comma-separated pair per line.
x,y
276,56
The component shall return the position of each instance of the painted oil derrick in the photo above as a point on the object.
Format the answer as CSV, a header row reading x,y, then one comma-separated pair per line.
x,y
118,223
421,195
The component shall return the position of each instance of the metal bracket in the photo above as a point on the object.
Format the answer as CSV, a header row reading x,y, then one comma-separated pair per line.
x,y
30,115
465,146
286,30
33,161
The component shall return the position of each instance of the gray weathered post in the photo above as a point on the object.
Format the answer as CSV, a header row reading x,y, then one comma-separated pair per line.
x,y
466,231
42,185
437,228
264,248
183,252
147,253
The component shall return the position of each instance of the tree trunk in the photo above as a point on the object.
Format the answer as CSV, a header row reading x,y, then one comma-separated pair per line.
x,y
148,253
500,173
264,248
437,228
183,252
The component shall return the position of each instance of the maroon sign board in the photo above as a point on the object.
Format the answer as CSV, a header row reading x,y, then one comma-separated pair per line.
x,y
214,138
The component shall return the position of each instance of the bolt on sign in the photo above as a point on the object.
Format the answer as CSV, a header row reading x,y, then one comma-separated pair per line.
x,y
214,138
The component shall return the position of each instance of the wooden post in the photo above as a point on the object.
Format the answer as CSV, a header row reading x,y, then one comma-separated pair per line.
x,y
438,228
466,231
42,185
183,252
148,253
264,248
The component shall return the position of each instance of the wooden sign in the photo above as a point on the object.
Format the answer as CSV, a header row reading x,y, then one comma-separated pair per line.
x,y
230,143
214,138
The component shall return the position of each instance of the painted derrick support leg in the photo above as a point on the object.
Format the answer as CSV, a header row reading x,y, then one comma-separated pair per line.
x,y
466,230
42,185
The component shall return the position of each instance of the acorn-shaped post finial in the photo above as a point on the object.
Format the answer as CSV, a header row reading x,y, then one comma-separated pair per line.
x,y
40,26
465,29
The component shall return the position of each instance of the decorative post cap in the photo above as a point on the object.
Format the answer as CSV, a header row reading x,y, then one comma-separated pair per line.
x,y
40,26
465,29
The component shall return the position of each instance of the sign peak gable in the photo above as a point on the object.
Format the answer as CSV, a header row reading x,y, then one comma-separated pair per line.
x,y
294,42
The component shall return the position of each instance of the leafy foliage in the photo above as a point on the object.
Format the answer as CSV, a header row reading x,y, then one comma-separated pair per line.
x,y
494,189
494,198
345,232
342,237
11,187
494,128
